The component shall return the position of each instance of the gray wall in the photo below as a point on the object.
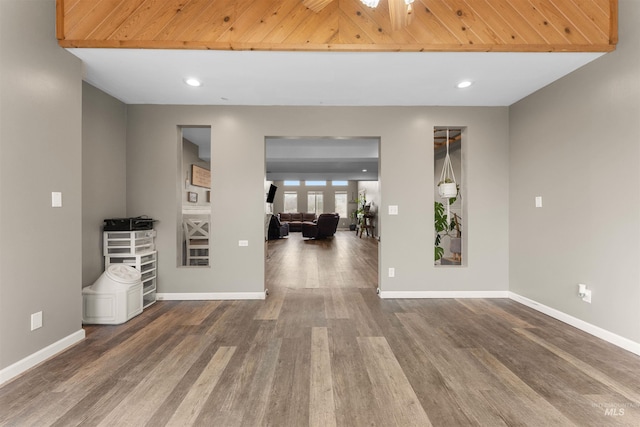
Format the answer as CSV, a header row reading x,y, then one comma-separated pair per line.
x,y
104,173
40,142
575,143
238,173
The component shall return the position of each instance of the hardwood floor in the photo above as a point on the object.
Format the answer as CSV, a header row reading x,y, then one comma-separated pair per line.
x,y
324,350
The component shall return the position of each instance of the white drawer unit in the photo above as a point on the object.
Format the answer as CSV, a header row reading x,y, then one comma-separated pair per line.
x,y
128,242
147,264
149,297
135,249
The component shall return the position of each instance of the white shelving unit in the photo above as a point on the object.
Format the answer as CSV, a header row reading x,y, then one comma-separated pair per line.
x,y
136,249
128,242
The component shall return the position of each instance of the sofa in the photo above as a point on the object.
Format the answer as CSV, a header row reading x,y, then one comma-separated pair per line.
x,y
295,219
325,226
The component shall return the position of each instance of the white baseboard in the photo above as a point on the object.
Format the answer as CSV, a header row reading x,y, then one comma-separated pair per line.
x,y
596,331
40,356
442,294
205,296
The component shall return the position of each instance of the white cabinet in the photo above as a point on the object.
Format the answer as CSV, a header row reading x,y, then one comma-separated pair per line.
x,y
136,249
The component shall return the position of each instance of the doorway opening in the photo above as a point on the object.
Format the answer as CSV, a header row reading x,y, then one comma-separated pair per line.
x,y
315,177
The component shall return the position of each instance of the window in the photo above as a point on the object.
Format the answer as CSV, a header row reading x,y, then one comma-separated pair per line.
x,y
315,202
341,203
315,183
291,183
339,183
290,201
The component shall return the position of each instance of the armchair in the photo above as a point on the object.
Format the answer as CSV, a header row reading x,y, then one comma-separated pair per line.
x,y
277,229
325,226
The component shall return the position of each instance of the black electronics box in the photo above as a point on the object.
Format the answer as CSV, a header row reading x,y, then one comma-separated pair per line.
x,y
128,224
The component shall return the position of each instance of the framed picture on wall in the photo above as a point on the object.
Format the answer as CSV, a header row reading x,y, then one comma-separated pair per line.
x,y
200,177
192,197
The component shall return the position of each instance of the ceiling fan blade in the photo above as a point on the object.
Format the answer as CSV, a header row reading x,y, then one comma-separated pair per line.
x,y
316,5
400,13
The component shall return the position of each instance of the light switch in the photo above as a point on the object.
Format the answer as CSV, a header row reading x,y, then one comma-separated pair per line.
x,y
56,199
393,209
538,201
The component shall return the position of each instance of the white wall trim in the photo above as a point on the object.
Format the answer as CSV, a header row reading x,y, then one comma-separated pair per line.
x,y
443,294
596,331
40,356
202,296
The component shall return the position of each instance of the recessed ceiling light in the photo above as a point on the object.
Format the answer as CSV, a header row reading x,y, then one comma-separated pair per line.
x,y
193,82
364,170
464,83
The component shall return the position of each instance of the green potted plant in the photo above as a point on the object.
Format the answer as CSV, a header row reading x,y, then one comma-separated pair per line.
x,y
357,214
445,227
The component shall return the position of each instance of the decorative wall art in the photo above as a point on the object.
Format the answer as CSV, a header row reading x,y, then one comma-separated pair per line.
x,y
200,177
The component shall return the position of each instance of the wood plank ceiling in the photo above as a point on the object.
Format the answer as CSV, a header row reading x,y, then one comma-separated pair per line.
x,y
340,25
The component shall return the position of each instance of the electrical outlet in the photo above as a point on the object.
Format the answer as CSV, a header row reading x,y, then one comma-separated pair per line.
x,y
538,201
582,288
243,243
392,272
584,293
36,321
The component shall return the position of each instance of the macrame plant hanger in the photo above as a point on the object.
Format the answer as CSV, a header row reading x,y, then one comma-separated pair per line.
x,y
447,187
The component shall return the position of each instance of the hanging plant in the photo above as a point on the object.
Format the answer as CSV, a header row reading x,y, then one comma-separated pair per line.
x,y
447,186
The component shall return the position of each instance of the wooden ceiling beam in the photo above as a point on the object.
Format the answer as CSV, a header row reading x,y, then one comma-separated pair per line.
x,y
341,25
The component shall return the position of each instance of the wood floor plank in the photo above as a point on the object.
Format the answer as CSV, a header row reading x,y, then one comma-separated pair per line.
x,y
322,410
335,304
631,395
364,320
487,307
390,385
190,408
289,396
254,399
353,388
438,400
199,311
517,394
272,307
96,381
143,400
303,308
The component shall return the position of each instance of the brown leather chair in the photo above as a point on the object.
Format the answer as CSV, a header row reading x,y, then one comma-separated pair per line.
x,y
325,226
